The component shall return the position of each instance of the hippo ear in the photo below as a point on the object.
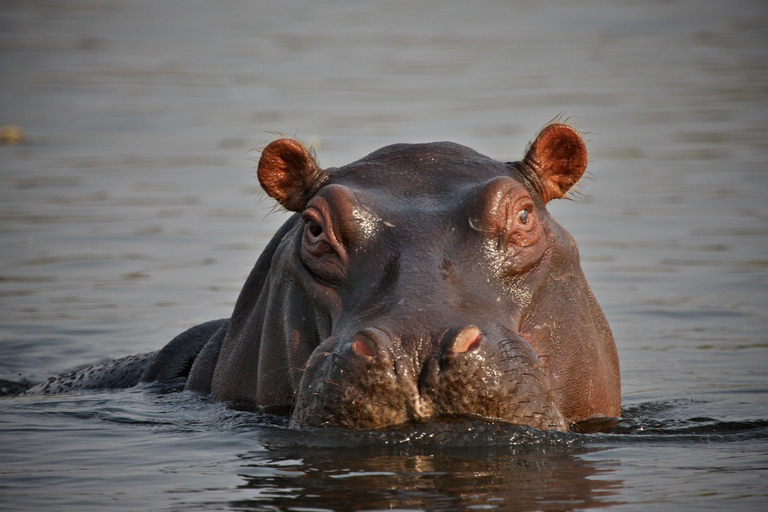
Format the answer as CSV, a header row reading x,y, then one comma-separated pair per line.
x,y
289,173
559,157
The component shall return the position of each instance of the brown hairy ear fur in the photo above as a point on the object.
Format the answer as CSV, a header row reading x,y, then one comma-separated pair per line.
x,y
559,157
289,173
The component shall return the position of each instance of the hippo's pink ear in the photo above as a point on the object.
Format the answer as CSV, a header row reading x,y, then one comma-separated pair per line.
x,y
289,173
559,157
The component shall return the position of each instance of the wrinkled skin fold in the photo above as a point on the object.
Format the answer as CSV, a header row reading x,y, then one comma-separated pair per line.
x,y
422,281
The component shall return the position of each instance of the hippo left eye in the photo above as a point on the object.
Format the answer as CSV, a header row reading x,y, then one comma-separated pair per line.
x,y
524,217
522,226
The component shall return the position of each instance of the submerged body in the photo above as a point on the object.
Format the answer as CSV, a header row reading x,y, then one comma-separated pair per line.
x,y
422,281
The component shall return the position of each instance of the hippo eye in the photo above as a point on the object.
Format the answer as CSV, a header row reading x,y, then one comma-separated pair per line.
x,y
321,252
314,228
521,227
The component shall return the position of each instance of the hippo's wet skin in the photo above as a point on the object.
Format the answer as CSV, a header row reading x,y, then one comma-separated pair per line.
x,y
424,280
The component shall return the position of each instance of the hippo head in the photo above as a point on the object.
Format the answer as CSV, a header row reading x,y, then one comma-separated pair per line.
x,y
424,280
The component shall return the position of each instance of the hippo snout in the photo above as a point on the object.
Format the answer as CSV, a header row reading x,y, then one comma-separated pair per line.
x,y
497,378
371,380
357,382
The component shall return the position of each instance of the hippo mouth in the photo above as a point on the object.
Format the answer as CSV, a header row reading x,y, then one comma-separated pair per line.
x,y
368,383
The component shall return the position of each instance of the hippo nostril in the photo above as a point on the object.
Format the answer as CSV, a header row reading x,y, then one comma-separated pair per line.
x,y
368,341
362,347
465,340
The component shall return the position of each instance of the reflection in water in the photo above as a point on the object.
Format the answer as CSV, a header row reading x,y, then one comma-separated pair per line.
x,y
526,481
168,446
440,471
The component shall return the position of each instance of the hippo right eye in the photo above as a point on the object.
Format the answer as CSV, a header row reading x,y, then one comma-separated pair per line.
x,y
321,251
314,228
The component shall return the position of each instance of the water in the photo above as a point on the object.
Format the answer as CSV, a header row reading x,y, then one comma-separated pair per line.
x,y
131,211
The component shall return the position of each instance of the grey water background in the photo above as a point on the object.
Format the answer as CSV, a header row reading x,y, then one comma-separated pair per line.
x,y
131,211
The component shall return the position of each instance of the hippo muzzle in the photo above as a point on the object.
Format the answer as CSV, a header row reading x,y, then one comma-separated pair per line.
x,y
370,381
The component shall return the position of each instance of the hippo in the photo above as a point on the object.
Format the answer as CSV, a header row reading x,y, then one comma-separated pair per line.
x,y
421,282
